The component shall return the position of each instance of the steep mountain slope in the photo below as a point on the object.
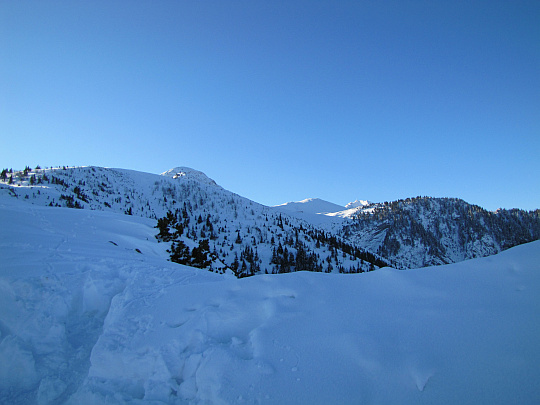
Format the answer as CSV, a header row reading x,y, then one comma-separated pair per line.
x,y
210,227
424,231
92,313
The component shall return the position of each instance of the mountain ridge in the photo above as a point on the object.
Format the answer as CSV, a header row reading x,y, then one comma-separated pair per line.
x,y
206,225
250,238
427,231
311,205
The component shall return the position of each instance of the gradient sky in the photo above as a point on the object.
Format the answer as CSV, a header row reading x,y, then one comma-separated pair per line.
x,y
282,100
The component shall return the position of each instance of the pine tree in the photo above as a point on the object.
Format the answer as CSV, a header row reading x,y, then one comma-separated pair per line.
x,y
199,255
163,226
235,265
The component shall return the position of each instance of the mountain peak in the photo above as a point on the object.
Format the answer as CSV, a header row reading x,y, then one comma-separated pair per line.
x,y
357,203
312,206
189,173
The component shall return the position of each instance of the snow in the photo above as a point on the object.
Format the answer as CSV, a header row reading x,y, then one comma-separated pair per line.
x,y
358,203
321,212
314,210
87,319
311,206
192,174
306,208
153,196
318,206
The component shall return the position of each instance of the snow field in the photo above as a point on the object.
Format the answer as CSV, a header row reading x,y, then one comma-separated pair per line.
x,y
86,319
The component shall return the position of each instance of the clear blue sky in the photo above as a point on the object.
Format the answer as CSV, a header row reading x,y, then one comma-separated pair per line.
x,y
282,100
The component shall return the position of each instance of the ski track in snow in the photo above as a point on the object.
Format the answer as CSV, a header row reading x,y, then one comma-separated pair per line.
x,y
85,319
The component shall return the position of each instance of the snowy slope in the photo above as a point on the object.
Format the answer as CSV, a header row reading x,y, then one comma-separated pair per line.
x,y
311,206
187,172
426,231
322,212
247,238
421,231
315,211
92,313
240,232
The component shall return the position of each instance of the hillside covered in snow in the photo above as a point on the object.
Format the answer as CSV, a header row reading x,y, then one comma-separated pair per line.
x,y
207,226
92,312
425,231
421,231
230,232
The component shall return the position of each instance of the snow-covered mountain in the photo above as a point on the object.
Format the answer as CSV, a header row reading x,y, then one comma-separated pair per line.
x,y
422,231
311,206
189,173
225,231
321,212
425,231
357,203
211,227
92,312
322,207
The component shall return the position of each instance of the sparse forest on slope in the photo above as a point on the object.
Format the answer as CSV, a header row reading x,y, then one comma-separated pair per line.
x,y
425,231
207,226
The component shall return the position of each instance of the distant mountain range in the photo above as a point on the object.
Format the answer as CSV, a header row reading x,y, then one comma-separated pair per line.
x,y
423,231
208,226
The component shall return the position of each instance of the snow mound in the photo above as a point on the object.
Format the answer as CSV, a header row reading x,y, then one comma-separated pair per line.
x,y
191,174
